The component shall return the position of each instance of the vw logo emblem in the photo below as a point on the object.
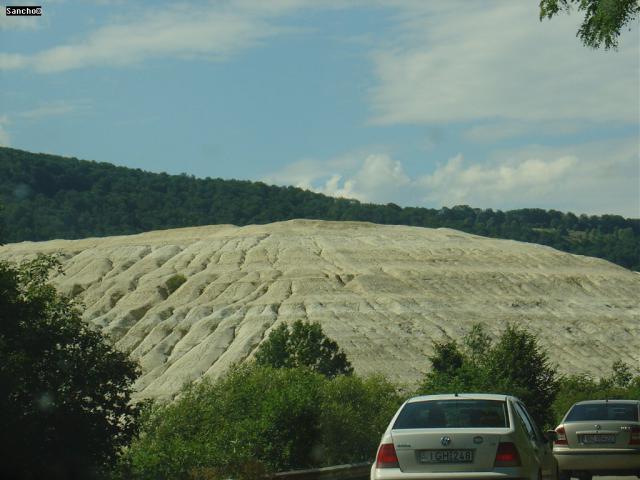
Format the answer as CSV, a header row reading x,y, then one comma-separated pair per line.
x,y
445,441
598,427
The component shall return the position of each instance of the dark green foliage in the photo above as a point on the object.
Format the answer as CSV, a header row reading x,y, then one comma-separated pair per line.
x,y
515,365
621,376
354,411
257,419
303,344
518,360
448,359
2,227
174,283
621,384
251,414
46,197
64,391
603,19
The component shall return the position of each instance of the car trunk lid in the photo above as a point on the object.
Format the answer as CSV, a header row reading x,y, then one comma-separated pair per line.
x,y
599,434
607,424
447,450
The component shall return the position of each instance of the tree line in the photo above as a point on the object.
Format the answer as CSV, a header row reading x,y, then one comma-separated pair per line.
x,y
44,197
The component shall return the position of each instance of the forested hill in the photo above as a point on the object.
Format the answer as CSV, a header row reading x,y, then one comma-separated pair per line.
x,y
44,197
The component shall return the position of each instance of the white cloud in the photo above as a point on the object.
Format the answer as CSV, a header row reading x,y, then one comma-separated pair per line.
x,y
496,131
337,187
12,61
366,177
380,176
457,61
595,178
54,109
213,31
454,183
308,172
605,180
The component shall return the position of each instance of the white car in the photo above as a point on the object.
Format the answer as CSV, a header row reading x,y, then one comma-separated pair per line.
x,y
599,437
463,436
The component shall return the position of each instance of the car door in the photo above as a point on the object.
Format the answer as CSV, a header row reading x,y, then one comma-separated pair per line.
x,y
540,446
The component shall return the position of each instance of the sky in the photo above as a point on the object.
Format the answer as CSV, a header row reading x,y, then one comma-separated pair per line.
x,y
420,103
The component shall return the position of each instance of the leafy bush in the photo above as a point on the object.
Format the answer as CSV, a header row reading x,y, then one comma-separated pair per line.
x,y
258,418
304,344
174,283
250,414
515,365
354,413
64,390
621,384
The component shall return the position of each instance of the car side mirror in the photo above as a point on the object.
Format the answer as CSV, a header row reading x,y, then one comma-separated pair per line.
x,y
551,436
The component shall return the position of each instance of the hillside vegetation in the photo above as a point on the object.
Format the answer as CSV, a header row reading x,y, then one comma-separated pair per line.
x,y
46,196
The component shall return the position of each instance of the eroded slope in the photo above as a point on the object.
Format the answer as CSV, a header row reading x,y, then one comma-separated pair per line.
x,y
383,292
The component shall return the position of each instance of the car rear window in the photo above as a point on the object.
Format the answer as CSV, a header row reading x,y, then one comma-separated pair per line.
x,y
453,414
627,412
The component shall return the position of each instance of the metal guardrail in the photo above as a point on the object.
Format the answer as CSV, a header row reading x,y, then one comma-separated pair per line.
x,y
353,471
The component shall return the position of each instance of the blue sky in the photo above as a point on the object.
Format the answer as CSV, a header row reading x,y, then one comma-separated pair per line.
x,y
421,103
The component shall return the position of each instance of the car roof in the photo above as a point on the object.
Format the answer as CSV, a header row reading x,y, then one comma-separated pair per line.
x,y
595,402
461,396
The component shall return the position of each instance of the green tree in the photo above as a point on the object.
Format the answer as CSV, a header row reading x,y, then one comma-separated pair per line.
x,y
258,418
477,343
621,376
464,374
252,414
603,19
303,344
354,411
620,384
519,362
515,365
447,358
65,391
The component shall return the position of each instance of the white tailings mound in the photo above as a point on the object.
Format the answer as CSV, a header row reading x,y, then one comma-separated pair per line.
x,y
384,293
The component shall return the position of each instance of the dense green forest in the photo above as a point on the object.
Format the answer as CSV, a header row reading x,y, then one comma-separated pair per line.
x,y
46,196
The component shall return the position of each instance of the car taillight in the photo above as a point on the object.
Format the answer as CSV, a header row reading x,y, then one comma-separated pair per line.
x,y
507,455
562,437
387,457
634,438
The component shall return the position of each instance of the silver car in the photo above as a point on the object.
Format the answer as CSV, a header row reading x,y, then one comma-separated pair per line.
x,y
463,436
599,437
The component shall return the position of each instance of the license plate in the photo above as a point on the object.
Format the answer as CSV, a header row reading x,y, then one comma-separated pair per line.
x,y
446,456
598,438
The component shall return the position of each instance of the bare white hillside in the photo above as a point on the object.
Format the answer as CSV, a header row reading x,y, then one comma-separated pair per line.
x,y
383,292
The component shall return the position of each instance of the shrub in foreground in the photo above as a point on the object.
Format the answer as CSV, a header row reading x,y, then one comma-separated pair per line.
x,y
620,384
64,390
354,413
258,418
515,365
